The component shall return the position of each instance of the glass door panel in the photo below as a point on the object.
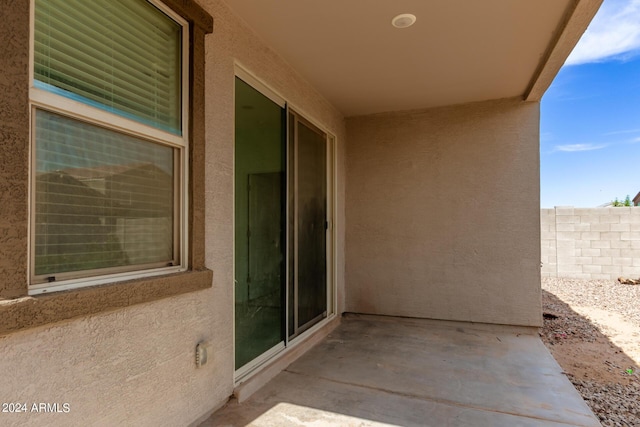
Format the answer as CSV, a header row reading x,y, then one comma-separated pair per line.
x,y
259,224
308,219
311,225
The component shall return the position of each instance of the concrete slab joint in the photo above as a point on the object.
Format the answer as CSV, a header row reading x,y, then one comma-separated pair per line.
x,y
376,370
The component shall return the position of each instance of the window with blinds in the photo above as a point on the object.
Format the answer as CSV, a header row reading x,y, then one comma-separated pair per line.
x,y
103,199
106,198
119,55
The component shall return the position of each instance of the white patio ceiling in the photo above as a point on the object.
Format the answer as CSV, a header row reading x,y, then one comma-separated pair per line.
x,y
458,50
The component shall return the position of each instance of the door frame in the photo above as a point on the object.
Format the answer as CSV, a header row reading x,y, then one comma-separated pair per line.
x,y
295,330
290,343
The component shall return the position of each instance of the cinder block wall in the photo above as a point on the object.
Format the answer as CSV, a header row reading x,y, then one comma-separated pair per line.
x,y
595,243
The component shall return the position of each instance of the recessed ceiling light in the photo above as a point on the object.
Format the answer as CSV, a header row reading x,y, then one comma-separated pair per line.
x,y
404,20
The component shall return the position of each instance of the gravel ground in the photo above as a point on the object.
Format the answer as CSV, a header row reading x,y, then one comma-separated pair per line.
x,y
606,294
605,374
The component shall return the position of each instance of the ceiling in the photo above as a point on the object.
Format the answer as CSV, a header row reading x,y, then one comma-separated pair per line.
x,y
458,51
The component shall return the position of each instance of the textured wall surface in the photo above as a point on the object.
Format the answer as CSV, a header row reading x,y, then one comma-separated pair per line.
x,y
443,213
135,366
14,135
129,367
231,43
596,243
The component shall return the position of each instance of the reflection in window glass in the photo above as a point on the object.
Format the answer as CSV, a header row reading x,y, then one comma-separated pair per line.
x,y
103,199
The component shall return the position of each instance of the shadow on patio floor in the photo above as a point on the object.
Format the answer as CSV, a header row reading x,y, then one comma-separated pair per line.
x,y
594,364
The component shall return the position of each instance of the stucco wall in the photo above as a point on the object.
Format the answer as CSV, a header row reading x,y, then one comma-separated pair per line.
x,y
14,159
135,366
443,213
595,243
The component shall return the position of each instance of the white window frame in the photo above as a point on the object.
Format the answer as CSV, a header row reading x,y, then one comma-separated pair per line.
x,y
48,101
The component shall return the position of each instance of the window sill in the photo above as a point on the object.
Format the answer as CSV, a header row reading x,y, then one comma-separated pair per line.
x,y
40,310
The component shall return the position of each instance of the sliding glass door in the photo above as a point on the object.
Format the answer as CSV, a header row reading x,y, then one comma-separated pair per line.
x,y
259,224
281,226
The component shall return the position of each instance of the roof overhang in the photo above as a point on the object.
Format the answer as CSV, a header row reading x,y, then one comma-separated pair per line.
x,y
458,51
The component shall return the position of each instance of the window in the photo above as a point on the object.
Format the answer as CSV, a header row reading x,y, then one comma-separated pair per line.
x,y
109,142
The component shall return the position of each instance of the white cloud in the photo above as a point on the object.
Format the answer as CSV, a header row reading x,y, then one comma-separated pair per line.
x,y
569,148
614,33
618,132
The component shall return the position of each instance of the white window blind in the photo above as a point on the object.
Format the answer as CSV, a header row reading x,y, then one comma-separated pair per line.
x,y
123,56
103,199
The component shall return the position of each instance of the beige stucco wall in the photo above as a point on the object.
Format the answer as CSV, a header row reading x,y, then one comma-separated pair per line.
x,y
231,43
443,213
135,366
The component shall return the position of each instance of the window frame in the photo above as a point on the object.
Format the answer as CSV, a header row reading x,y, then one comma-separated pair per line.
x,y
18,310
48,101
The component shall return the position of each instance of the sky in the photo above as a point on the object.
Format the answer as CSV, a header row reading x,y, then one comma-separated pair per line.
x,y
590,115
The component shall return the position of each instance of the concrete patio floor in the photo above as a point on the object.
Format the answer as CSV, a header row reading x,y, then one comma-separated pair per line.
x,y
373,371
